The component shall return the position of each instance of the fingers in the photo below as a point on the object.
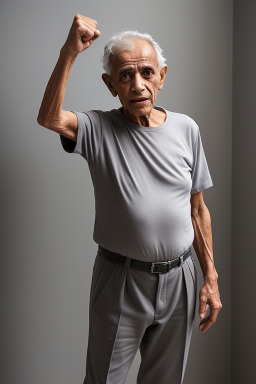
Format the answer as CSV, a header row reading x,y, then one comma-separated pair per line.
x,y
87,28
89,19
90,34
86,20
202,306
96,34
82,33
209,320
86,34
87,42
209,294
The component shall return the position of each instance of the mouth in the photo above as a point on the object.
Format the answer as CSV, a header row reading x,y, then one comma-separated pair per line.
x,y
139,100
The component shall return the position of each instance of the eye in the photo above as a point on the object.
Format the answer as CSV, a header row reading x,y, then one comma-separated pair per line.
x,y
148,72
125,75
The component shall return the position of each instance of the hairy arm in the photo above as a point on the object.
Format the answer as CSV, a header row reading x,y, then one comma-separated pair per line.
x,y
51,114
209,293
82,34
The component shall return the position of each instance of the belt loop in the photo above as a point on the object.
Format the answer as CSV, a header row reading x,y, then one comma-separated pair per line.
x,y
127,262
181,260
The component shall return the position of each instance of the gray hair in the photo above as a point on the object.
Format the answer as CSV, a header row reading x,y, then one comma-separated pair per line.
x,y
123,41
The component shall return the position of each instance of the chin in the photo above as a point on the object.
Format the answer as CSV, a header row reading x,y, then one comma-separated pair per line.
x,y
140,111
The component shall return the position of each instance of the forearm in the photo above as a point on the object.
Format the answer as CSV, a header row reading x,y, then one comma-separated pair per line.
x,y
202,243
50,111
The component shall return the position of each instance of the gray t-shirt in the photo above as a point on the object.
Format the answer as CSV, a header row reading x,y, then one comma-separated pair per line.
x,y
143,178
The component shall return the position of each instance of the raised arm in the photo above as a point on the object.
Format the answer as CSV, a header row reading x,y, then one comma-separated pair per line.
x,y
82,33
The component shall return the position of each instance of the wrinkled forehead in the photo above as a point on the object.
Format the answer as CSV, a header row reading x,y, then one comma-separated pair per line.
x,y
142,53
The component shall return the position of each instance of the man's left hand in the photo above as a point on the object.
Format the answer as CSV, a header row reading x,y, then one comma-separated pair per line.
x,y
209,295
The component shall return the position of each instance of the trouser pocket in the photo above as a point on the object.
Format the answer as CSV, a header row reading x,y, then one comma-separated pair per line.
x,y
192,268
101,277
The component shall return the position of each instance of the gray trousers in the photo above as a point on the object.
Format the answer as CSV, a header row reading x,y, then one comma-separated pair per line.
x,y
130,309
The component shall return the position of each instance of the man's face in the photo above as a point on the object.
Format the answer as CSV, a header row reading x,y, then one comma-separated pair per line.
x,y
136,78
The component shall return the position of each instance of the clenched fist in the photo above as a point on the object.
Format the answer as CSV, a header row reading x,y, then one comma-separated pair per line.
x,y
82,33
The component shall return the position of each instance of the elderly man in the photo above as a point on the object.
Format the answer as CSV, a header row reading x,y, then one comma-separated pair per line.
x,y
148,170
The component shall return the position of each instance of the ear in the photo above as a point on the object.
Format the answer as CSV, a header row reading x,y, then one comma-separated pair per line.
x,y
162,76
107,80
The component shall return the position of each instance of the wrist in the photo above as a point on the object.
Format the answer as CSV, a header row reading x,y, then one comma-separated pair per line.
x,y
68,53
211,276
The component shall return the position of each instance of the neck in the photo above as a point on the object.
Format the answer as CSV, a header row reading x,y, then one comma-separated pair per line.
x,y
155,118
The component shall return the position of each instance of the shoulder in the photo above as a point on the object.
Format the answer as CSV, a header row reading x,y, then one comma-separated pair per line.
x,y
102,116
186,121
185,126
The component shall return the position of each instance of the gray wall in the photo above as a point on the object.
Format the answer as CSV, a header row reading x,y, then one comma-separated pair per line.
x,y
47,195
243,196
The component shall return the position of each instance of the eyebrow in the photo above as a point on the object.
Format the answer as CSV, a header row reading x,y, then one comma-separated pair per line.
x,y
130,69
125,70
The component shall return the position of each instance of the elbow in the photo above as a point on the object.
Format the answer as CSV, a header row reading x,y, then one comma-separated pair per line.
x,y
46,123
41,121
199,210
52,124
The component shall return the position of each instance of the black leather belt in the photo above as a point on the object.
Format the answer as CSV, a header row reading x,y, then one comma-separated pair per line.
x,y
153,267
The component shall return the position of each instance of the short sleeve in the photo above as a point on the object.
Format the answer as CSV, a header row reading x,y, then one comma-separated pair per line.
x,y
201,178
88,136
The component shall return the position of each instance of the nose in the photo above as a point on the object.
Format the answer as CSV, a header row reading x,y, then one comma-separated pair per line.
x,y
137,84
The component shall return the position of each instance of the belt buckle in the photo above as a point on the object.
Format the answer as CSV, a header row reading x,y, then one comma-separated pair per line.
x,y
157,264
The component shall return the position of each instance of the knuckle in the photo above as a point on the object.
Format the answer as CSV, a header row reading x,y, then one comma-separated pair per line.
x,y
77,22
203,291
203,298
217,306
